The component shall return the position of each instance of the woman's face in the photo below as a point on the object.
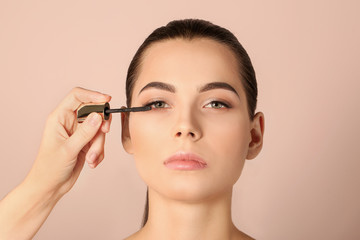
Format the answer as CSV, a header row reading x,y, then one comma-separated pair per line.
x,y
200,109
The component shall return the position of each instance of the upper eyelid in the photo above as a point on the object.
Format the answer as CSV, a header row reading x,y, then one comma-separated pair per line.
x,y
221,100
225,103
153,100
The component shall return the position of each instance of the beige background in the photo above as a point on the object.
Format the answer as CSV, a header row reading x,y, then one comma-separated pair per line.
x,y
304,184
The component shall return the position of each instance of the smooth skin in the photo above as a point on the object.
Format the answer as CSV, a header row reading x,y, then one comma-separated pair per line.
x,y
65,147
211,122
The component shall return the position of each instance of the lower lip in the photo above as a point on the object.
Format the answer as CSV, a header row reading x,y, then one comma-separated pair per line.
x,y
185,165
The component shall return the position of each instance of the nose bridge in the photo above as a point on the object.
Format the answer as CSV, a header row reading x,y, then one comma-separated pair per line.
x,y
187,123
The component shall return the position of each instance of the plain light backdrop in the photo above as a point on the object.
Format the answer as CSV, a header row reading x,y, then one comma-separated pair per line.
x,y
305,182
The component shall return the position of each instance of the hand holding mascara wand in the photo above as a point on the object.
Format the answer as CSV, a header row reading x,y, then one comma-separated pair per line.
x,y
104,109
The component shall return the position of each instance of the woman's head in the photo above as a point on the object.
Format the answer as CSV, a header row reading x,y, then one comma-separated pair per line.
x,y
202,87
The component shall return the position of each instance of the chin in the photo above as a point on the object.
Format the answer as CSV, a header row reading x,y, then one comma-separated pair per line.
x,y
191,191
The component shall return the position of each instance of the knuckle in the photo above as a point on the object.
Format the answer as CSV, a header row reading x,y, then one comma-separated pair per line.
x,y
51,117
74,92
75,89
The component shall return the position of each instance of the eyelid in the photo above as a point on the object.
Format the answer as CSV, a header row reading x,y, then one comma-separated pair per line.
x,y
154,99
152,102
224,103
220,100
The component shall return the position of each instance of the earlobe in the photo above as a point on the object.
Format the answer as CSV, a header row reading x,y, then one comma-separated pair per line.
x,y
125,133
257,135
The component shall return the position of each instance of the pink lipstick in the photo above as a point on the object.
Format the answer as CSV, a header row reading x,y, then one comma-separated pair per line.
x,y
185,161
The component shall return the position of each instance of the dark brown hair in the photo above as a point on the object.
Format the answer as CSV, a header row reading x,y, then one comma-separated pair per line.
x,y
189,29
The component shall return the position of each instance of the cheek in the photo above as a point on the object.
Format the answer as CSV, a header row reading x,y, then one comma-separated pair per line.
x,y
146,132
148,141
229,133
228,141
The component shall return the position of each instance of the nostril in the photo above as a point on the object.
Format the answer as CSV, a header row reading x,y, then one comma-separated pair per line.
x,y
178,134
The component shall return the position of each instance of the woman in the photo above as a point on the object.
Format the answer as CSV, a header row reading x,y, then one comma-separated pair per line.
x,y
189,149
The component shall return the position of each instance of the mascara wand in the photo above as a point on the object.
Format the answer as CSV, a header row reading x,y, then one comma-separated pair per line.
x,y
104,109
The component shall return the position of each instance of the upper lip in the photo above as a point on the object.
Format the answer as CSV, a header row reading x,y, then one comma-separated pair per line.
x,y
185,156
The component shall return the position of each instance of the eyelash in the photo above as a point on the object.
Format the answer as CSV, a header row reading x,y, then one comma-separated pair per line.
x,y
219,102
153,103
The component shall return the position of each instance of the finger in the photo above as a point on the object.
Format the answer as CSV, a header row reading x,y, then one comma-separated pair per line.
x,y
96,149
79,164
97,162
83,134
86,148
105,128
78,95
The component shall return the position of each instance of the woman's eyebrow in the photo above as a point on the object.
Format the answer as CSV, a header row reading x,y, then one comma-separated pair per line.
x,y
217,85
159,85
206,87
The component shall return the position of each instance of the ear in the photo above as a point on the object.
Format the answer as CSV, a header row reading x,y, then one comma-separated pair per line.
x,y
257,135
125,132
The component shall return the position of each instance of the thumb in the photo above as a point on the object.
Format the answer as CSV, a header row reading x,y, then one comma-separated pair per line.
x,y
85,132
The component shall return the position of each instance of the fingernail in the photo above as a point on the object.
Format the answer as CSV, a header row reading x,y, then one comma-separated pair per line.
x,y
92,158
95,119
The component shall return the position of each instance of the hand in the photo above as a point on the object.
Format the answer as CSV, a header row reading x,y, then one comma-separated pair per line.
x,y
66,143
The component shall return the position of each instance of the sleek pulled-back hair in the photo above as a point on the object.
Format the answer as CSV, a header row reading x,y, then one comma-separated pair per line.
x,y
189,29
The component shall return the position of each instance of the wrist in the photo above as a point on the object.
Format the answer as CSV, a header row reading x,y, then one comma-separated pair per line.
x,y
41,190
24,210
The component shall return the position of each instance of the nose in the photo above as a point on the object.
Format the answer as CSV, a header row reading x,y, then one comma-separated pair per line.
x,y
187,126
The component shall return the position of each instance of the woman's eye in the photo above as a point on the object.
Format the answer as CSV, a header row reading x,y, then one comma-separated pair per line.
x,y
217,105
158,104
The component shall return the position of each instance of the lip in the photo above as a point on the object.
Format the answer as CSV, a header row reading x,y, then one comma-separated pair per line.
x,y
185,161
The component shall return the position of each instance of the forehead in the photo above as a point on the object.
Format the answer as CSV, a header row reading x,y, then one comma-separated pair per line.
x,y
181,61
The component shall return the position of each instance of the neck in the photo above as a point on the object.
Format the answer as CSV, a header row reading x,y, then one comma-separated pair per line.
x,y
172,219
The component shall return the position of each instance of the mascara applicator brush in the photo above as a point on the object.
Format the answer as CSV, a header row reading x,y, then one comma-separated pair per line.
x,y
104,109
